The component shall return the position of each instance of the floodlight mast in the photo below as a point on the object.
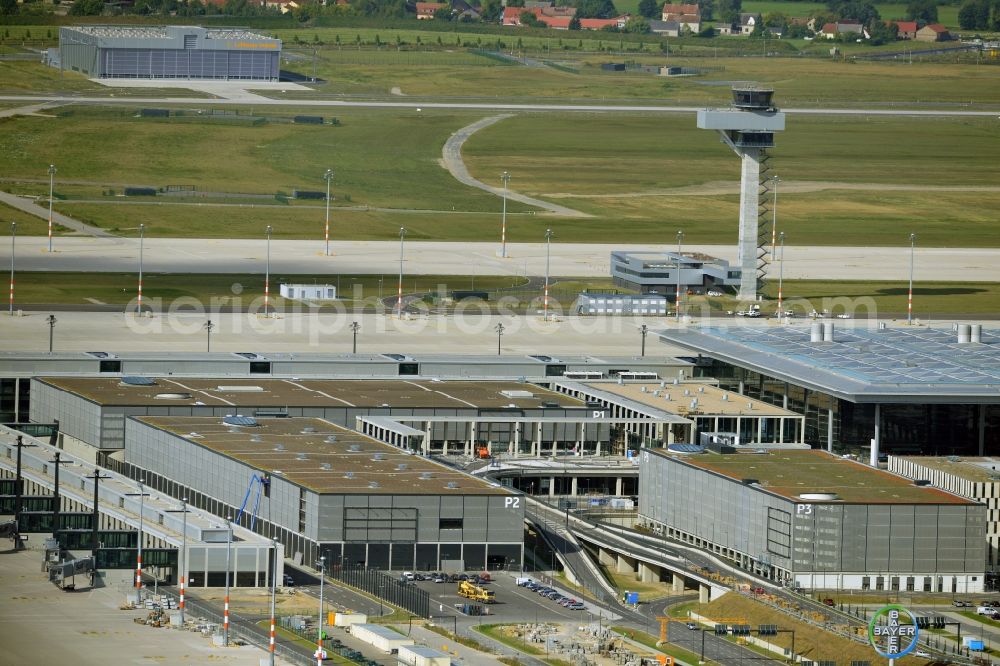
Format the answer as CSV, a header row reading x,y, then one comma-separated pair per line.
x,y
748,128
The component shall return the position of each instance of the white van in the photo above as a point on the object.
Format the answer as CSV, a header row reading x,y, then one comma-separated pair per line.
x,y
986,610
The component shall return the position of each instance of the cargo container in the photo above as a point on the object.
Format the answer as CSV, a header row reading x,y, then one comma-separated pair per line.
x,y
379,637
418,655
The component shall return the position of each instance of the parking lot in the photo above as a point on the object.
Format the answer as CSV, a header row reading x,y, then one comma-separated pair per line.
x,y
513,603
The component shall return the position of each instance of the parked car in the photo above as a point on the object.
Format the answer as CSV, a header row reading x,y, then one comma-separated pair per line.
x,y
922,653
961,604
288,581
829,602
576,605
692,626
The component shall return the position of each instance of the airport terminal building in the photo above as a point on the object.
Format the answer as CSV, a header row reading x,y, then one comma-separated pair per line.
x,y
872,391
811,519
168,52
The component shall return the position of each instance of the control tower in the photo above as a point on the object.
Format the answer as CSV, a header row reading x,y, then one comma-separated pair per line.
x,y
748,128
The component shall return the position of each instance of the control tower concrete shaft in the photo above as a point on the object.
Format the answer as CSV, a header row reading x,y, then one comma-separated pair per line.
x,y
748,128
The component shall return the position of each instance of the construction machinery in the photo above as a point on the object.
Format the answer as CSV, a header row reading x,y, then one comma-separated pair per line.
x,y
475,592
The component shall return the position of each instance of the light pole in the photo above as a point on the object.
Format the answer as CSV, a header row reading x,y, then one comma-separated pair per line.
x,y
499,329
142,236
505,177
545,302
182,578
781,270
52,174
274,586
52,327
13,236
267,271
142,505
399,291
328,176
208,335
909,295
355,327
677,296
319,635
643,330
229,555
774,214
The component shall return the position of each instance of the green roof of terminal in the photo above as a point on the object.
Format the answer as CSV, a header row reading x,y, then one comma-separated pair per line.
x,y
792,473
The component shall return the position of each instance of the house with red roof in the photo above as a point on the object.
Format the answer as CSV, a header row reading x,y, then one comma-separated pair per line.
x,y
906,29
935,32
426,10
688,16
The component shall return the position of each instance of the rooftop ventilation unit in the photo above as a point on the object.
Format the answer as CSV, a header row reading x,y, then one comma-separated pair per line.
x,y
694,403
642,389
687,392
173,396
751,482
401,466
378,456
355,447
325,466
453,484
819,497
373,484
725,397
239,388
132,380
424,476
277,471
348,475
921,482
666,396
242,421
331,439
701,389
301,456
656,393
279,447
954,459
517,394
750,406
193,435
256,438
308,430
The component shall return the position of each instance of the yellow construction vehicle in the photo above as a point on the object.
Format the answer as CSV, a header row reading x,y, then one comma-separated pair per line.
x,y
475,592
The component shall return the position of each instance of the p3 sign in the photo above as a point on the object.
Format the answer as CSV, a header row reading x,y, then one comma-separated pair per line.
x,y
512,502
803,509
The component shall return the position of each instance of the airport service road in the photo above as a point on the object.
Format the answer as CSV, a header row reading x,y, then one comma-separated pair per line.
x,y
416,104
289,257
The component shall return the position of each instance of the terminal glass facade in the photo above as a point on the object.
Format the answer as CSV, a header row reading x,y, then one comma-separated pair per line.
x,y
918,428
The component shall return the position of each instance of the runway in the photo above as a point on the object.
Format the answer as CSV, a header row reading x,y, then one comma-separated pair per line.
x,y
303,257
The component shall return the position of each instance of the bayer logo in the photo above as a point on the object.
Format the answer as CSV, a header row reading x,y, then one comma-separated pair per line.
x,y
893,632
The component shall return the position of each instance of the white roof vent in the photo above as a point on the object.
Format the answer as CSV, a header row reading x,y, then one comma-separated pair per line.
x,y
378,456
701,389
694,403
725,397
256,438
656,393
666,396
426,475
240,388
193,435
687,392
348,475
642,389
279,447
308,430
517,394
819,497
172,396
330,439
301,456
373,484
750,406
453,484
355,447
325,466
402,466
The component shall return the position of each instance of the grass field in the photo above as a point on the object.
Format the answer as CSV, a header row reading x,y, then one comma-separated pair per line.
x,y
225,289
626,173
930,299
